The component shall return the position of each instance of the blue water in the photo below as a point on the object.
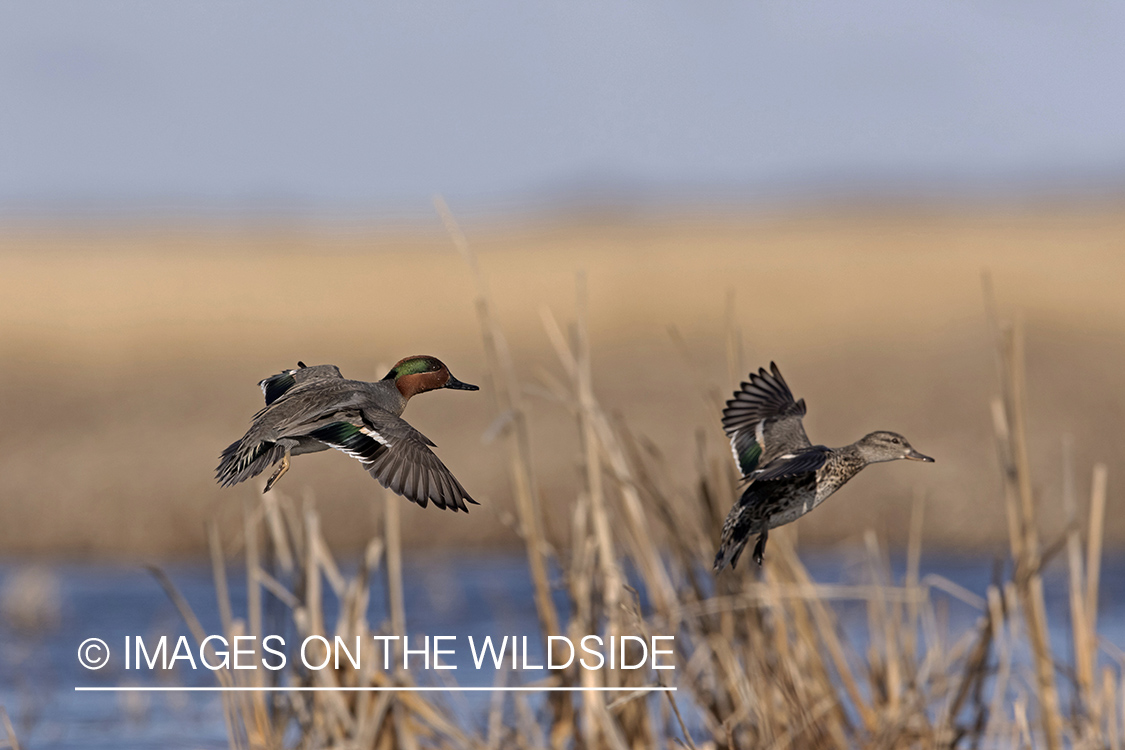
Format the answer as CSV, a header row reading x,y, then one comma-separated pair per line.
x,y
464,596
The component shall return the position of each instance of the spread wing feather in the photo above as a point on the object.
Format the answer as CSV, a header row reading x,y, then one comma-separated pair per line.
x,y
398,456
763,421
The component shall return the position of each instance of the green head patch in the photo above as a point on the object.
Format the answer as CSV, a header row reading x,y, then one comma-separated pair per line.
x,y
414,366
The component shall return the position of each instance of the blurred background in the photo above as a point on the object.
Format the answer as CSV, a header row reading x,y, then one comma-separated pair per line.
x,y
195,196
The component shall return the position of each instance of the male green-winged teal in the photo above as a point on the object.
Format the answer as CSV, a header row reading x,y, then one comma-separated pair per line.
x,y
311,409
788,476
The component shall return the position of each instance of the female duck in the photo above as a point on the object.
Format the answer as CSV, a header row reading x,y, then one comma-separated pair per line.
x,y
788,476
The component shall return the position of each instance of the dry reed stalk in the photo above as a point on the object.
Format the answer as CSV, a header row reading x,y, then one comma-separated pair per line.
x,y
219,576
600,723
1015,391
1109,710
1094,541
194,627
606,441
1003,643
392,529
496,710
1024,736
910,582
404,731
275,523
826,627
1002,430
597,438
813,662
255,678
312,599
226,619
1084,646
394,720
530,733
760,663
972,679
508,401
1012,441
333,718
253,570
612,578
9,740
580,581
1002,408
878,624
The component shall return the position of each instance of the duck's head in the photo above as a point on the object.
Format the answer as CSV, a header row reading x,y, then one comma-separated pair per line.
x,y
888,446
422,373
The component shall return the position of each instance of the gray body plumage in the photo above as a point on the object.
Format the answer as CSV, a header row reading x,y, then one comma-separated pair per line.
x,y
788,477
312,409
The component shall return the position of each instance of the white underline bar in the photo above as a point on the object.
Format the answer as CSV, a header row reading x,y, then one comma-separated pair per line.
x,y
240,689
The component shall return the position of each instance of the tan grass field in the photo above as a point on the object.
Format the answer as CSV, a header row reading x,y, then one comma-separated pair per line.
x,y
131,357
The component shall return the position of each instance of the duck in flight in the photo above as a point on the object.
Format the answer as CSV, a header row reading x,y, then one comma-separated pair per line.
x,y
787,475
311,409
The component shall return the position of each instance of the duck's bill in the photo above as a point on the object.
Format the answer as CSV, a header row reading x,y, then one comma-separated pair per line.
x,y
457,385
914,455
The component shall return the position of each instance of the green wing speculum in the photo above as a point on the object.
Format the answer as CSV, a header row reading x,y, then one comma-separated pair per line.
x,y
763,421
359,443
747,453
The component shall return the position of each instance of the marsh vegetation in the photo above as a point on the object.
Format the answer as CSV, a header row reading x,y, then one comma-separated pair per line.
x,y
761,658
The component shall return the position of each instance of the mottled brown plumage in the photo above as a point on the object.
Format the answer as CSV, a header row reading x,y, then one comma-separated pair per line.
x,y
787,476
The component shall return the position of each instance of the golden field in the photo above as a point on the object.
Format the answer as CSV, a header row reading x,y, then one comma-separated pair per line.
x,y
131,357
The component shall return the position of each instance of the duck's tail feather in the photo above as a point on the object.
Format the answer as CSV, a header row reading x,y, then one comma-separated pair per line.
x,y
245,459
737,530
729,552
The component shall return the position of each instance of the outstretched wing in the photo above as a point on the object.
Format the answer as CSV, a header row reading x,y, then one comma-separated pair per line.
x,y
398,456
793,464
276,386
763,421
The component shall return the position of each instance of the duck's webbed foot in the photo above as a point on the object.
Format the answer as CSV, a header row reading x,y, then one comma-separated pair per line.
x,y
284,467
760,547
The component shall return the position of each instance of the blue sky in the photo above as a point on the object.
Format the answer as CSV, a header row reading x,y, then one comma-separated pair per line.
x,y
362,106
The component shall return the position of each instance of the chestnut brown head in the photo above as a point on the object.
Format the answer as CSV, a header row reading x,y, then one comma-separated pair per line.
x,y
422,373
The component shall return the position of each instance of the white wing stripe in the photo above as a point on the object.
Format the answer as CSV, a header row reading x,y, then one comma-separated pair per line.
x,y
357,456
372,434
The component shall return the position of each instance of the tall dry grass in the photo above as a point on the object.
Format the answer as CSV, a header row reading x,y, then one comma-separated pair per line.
x,y
762,660
8,740
138,348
